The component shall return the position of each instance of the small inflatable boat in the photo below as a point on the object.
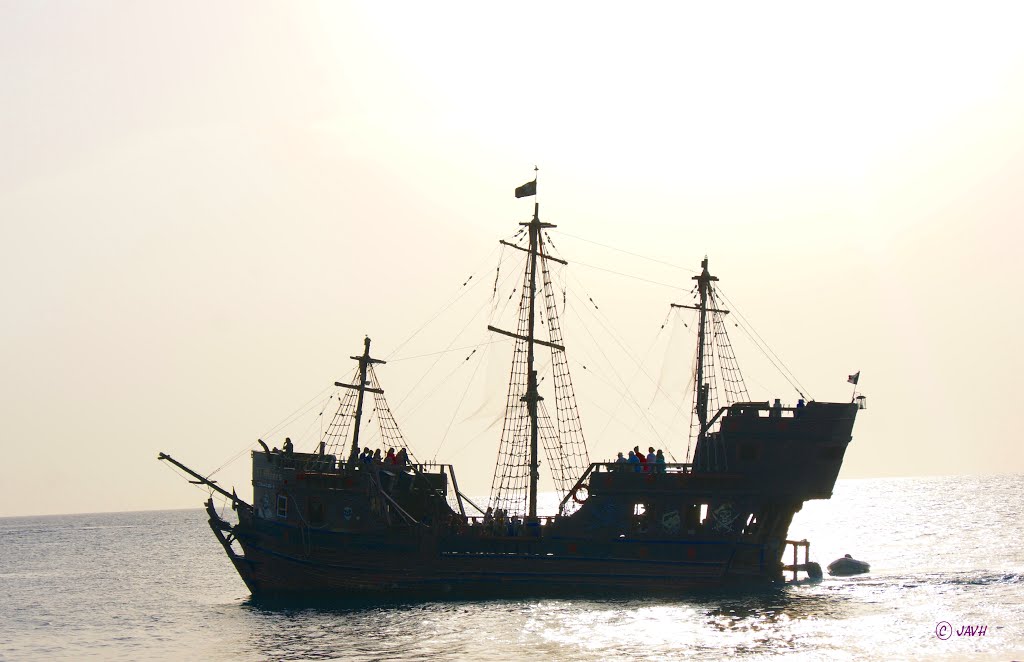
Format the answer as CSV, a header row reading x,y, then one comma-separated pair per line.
x,y
847,566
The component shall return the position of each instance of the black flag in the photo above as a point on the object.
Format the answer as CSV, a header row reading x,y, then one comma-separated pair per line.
x,y
527,189
854,378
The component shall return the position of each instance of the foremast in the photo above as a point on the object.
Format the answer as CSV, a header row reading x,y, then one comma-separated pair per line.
x,y
365,361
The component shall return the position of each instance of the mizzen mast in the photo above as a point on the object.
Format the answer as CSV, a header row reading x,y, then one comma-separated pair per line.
x,y
704,280
718,380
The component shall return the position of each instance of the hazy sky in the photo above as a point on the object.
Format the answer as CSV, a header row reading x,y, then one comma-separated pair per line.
x,y
205,206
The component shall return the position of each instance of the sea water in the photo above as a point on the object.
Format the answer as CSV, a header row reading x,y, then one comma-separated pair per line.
x,y
946,582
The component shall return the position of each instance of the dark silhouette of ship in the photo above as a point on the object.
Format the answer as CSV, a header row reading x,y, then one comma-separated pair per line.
x,y
338,523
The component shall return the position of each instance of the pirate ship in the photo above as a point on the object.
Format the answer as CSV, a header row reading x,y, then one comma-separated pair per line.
x,y
336,522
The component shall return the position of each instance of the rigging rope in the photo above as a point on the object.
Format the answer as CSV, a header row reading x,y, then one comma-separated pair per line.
x,y
620,273
570,457
622,382
620,250
445,351
510,484
765,349
462,399
286,421
462,291
428,371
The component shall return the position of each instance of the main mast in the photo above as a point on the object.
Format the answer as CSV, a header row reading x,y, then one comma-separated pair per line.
x,y
532,396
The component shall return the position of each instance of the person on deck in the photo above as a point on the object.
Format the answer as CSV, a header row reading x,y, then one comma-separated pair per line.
x,y
377,459
641,458
620,460
799,407
391,459
402,459
634,460
651,459
288,447
776,411
659,462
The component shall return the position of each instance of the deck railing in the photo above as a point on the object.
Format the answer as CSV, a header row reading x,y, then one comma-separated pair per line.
x,y
666,467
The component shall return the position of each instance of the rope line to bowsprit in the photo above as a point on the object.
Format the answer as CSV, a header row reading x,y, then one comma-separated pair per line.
x,y
469,323
312,403
462,399
461,292
181,474
316,400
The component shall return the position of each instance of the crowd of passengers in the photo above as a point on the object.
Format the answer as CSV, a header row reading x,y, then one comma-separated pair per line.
x,y
495,522
368,458
392,460
652,462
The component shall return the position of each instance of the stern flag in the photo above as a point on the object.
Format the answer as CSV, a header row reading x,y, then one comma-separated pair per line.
x,y
527,189
854,378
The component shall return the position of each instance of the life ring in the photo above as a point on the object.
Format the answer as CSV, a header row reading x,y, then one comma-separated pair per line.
x,y
576,494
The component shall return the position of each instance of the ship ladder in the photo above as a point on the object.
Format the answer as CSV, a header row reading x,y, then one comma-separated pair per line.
x,y
813,570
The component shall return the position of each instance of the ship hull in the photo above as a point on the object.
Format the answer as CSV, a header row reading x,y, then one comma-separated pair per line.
x,y
323,528
415,564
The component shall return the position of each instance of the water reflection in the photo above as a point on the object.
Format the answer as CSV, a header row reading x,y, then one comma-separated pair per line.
x,y
920,575
707,625
81,586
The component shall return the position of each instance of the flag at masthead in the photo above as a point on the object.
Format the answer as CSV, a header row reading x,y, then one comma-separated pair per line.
x,y
527,189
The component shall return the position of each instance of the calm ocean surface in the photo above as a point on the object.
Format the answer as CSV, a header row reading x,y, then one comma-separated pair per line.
x,y
156,585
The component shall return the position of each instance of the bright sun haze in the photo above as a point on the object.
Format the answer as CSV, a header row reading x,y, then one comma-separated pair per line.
x,y
205,207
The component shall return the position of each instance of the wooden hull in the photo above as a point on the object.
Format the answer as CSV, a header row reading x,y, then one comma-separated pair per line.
x,y
409,564
340,531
